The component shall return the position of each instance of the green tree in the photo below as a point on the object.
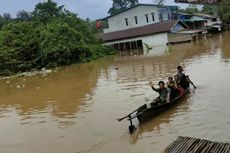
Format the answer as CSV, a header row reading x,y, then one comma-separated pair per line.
x,y
224,10
55,39
6,16
191,9
47,10
5,19
23,15
210,9
120,5
19,49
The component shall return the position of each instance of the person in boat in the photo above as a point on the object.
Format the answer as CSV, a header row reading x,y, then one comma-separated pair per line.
x,y
183,79
174,92
176,78
180,89
164,93
169,80
177,85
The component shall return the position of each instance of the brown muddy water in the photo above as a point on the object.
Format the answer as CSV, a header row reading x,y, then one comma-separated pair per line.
x,y
74,109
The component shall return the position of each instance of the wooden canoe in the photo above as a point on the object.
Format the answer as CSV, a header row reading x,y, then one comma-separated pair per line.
x,y
146,112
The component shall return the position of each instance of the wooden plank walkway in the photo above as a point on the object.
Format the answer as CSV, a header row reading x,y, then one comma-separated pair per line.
x,y
193,145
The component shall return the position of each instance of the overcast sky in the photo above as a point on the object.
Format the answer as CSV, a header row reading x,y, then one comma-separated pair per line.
x,y
92,9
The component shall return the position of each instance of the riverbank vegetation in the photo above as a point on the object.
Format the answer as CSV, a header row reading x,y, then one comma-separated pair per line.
x,y
48,37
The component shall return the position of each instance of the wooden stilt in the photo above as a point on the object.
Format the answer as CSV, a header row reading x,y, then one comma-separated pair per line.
x,y
130,48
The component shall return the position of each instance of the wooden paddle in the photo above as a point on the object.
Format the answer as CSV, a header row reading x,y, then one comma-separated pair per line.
x,y
193,85
191,82
120,119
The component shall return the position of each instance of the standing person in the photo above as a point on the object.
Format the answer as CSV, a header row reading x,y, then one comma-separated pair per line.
x,y
164,93
184,82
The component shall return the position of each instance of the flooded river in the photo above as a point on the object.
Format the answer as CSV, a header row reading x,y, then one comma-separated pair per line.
x,y
74,109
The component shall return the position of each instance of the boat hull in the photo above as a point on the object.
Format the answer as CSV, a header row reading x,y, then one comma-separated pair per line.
x,y
144,114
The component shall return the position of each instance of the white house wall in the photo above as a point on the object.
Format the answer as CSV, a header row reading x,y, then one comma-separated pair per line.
x,y
117,22
155,40
151,40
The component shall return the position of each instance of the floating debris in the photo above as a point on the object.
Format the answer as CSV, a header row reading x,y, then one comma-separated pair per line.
x,y
43,72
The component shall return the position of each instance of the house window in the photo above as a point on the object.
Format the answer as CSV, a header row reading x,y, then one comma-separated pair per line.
x,y
153,18
126,21
135,17
147,18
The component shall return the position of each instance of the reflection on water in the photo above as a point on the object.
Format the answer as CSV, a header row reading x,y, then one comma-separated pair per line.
x,y
57,94
75,108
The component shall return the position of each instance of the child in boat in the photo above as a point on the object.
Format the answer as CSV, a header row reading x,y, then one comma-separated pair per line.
x,y
177,84
164,93
177,80
174,92
169,80
181,90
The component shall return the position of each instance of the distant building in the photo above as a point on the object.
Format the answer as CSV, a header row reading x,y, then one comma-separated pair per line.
x,y
139,15
142,27
200,21
212,23
144,37
194,22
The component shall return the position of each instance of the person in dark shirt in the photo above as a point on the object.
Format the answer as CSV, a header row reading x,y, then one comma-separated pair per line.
x,y
169,80
176,78
184,81
174,92
177,84
164,93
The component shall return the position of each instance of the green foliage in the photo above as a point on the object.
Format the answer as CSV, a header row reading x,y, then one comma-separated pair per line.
x,y
120,5
210,9
6,16
47,10
5,20
224,10
49,38
191,9
23,15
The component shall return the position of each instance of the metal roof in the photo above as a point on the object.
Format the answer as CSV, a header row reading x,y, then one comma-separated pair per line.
x,y
150,29
194,20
